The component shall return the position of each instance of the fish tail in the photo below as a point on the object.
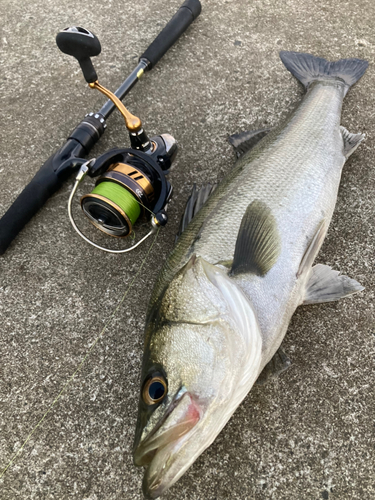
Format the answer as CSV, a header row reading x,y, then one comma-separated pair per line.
x,y
308,68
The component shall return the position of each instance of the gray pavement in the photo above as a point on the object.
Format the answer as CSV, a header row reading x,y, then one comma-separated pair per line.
x,y
307,435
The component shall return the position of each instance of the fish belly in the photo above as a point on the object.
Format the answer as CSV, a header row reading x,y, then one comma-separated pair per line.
x,y
297,176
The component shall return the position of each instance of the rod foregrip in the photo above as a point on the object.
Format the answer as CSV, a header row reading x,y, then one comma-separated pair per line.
x,y
185,15
32,198
50,177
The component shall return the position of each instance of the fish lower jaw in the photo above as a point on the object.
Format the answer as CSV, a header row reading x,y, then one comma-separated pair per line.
x,y
159,451
157,478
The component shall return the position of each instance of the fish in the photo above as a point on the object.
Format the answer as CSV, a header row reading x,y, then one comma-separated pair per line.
x,y
242,264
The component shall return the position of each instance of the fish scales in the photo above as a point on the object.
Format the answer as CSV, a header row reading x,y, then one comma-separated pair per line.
x,y
296,162
223,299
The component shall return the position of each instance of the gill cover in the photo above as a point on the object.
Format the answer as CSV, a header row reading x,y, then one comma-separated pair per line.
x,y
204,337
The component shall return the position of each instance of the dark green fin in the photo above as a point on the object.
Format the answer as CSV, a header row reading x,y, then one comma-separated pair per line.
x,y
308,68
313,248
197,199
258,241
278,364
351,141
326,285
245,141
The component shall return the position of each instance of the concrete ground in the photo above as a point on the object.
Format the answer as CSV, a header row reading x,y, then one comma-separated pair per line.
x,y
307,435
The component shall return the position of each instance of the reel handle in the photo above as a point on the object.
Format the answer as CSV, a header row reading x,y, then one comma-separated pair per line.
x,y
185,15
81,44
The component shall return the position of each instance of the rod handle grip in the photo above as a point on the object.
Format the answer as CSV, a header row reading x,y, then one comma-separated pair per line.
x,y
50,177
44,184
185,15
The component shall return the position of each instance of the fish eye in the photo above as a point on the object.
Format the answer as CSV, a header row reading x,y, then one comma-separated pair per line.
x,y
154,389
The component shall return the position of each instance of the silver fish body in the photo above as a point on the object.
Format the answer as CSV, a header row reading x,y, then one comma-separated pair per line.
x,y
210,331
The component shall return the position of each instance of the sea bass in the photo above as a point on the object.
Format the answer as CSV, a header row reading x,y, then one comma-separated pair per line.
x,y
241,266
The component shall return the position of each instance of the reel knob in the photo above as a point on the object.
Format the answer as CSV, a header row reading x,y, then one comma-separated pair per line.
x,y
81,44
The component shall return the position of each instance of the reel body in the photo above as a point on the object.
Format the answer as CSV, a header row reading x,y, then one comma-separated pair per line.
x,y
131,184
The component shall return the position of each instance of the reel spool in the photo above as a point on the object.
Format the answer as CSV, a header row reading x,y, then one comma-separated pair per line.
x,y
111,208
131,182
118,199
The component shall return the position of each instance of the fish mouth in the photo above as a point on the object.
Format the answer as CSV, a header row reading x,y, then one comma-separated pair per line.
x,y
158,450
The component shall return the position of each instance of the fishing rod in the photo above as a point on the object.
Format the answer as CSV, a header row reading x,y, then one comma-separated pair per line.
x,y
131,181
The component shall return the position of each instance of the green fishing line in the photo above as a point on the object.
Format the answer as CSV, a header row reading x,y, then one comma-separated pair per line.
x,y
121,197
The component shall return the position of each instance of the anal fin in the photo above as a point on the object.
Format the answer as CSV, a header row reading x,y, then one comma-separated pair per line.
x,y
327,285
312,249
244,141
278,364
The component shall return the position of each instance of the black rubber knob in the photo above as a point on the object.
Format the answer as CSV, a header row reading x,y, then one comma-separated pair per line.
x,y
81,44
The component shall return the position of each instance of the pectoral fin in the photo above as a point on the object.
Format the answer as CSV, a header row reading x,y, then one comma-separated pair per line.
x,y
278,364
326,285
258,242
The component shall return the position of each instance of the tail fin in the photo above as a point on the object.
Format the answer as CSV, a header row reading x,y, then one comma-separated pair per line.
x,y
308,68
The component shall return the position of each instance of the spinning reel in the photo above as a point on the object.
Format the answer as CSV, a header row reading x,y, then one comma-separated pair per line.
x,y
131,182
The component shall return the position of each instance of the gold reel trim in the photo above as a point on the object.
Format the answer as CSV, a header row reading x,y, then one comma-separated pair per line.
x,y
136,175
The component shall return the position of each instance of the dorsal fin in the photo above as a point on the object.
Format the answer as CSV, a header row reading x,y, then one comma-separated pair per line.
x,y
258,242
351,141
245,141
196,200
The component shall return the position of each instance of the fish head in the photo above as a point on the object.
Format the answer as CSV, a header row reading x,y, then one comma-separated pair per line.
x,y
202,355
